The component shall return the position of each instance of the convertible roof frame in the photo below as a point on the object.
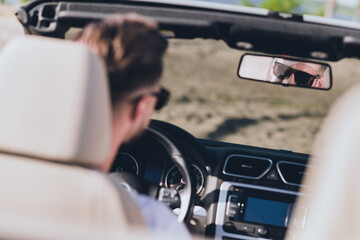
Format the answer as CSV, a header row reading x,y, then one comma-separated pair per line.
x,y
246,28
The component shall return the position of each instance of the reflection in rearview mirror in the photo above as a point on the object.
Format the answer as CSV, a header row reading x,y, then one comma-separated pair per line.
x,y
285,71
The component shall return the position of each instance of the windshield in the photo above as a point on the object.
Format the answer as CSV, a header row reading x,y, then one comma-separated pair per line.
x,y
211,102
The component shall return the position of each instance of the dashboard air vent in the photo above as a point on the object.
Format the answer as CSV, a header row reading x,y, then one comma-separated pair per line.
x,y
246,166
291,173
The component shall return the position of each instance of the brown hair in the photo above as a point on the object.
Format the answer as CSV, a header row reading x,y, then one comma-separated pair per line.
x,y
132,49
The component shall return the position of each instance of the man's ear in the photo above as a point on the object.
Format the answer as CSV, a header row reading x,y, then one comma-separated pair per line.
x,y
139,109
319,82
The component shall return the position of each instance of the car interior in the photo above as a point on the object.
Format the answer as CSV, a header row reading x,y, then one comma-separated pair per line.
x,y
220,190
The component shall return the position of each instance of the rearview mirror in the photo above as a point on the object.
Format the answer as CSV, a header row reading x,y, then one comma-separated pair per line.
x,y
285,71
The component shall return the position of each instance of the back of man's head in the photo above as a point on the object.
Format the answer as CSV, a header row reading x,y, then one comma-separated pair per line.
x,y
132,49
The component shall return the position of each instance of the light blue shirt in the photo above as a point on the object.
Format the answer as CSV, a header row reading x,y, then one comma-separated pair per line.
x,y
159,217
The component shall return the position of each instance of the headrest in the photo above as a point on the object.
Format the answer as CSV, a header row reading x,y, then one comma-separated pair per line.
x,y
55,102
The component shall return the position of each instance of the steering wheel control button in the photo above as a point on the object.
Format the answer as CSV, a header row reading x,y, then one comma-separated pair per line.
x,y
168,196
261,231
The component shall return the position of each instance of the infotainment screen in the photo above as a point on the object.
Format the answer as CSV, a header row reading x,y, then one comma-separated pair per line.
x,y
268,212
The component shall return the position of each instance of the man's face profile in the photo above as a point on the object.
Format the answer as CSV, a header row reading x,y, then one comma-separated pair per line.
x,y
141,107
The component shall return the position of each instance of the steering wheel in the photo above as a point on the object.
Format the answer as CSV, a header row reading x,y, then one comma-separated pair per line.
x,y
169,196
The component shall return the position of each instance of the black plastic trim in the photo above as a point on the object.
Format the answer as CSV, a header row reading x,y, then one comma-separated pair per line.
x,y
272,34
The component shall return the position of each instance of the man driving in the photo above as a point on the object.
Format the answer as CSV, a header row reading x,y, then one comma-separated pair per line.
x,y
132,49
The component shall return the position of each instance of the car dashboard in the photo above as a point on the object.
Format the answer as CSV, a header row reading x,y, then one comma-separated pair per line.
x,y
245,192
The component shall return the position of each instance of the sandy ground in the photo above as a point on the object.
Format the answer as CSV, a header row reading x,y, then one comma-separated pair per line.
x,y
210,101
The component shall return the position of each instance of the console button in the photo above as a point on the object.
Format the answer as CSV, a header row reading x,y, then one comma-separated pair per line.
x,y
261,231
280,234
272,175
233,199
229,227
232,206
231,212
247,229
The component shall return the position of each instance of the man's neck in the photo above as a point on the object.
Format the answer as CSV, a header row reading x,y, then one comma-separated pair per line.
x,y
119,132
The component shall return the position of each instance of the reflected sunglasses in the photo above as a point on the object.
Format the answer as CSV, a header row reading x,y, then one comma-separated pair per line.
x,y
302,79
162,96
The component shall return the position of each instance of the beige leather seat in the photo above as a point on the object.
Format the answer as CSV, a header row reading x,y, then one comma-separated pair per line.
x,y
55,130
335,201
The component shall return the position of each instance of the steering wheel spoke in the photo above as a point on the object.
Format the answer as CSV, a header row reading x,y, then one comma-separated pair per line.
x,y
185,200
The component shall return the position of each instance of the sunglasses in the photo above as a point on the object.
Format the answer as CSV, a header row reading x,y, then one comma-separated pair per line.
x,y
302,79
162,96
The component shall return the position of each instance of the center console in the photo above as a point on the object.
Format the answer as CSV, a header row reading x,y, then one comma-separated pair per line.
x,y
248,211
257,197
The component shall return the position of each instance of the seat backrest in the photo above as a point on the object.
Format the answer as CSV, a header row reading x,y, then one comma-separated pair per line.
x,y
55,130
335,196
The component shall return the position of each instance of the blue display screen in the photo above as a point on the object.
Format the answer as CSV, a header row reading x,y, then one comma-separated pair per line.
x,y
153,172
268,212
